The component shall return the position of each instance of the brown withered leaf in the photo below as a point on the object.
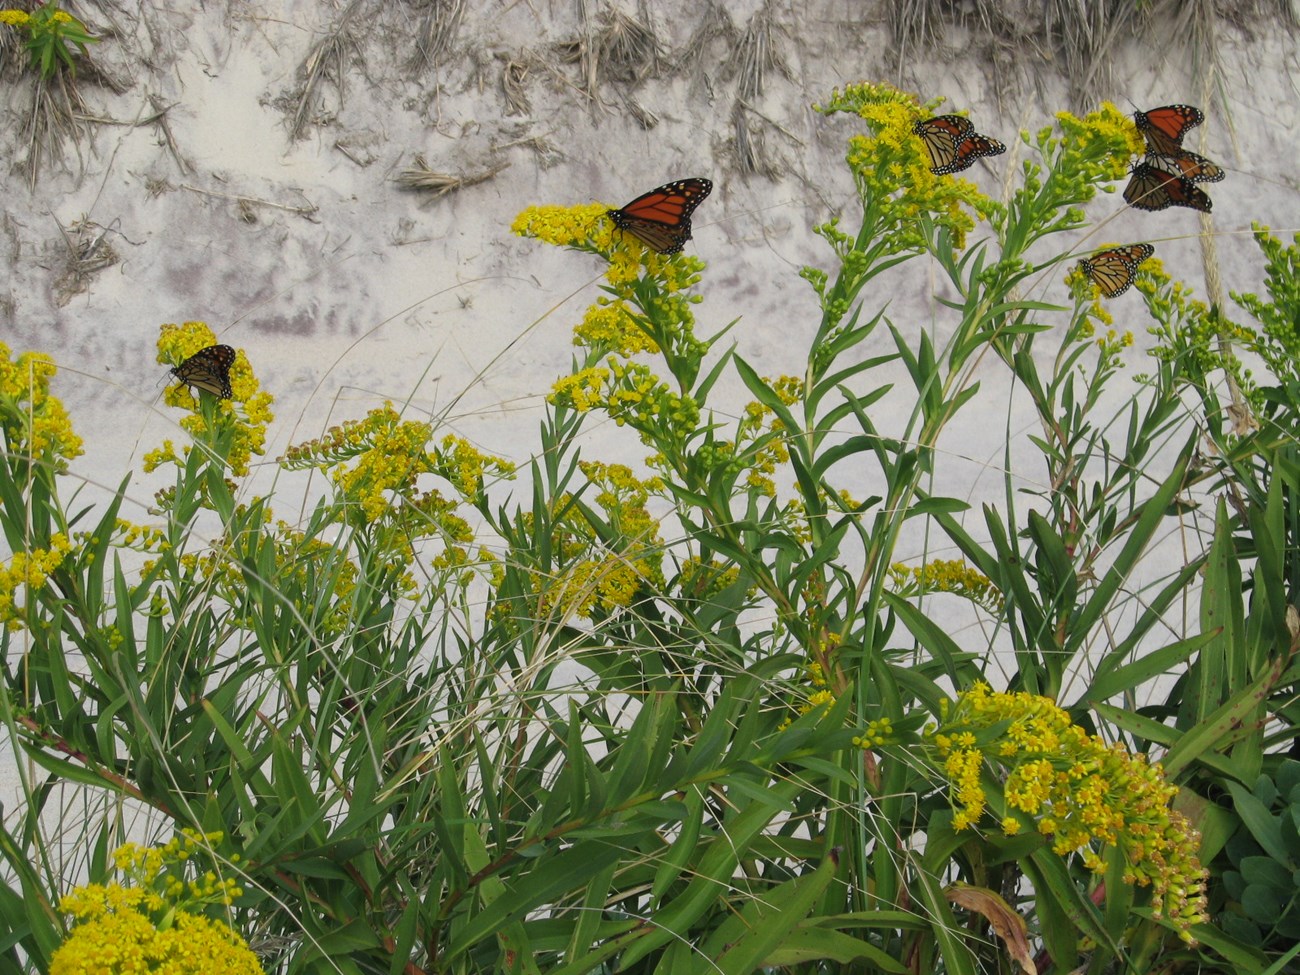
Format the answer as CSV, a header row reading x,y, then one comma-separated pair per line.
x,y
1006,923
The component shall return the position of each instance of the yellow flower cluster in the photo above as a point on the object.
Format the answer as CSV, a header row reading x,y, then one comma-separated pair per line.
x,y
893,174
247,413
32,422
597,584
820,696
30,569
20,18
380,458
583,226
647,310
606,570
465,466
142,538
952,576
151,865
390,455
699,580
1187,332
1083,792
877,732
610,325
587,227
759,423
127,943
582,391
1099,146
640,398
148,926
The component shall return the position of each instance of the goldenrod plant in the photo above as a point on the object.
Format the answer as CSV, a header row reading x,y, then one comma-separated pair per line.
x,y
160,919
53,37
709,713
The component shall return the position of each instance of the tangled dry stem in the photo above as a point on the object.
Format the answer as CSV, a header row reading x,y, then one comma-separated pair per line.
x,y
325,60
88,252
437,33
758,54
420,177
699,57
514,76
57,119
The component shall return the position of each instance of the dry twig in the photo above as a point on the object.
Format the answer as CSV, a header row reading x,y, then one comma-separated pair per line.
x,y
548,153
56,119
325,59
246,202
437,32
420,177
513,77
701,55
757,54
88,252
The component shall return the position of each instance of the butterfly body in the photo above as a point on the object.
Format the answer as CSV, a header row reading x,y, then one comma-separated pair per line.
x,y
1152,188
661,219
1113,270
952,143
208,370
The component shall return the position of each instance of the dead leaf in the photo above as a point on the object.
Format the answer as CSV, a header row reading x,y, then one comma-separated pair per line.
x,y
1006,923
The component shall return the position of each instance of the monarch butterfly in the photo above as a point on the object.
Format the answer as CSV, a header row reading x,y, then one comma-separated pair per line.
x,y
1154,189
952,143
1113,270
1196,168
208,370
1164,127
661,219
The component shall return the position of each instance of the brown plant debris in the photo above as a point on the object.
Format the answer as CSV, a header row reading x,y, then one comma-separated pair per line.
x,y
757,55
437,32
160,118
749,143
513,78
1083,37
643,116
57,118
626,49
716,25
245,203
88,252
548,153
420,177
327,59
612,48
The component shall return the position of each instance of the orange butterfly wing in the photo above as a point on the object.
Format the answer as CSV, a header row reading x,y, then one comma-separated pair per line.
x,y
1113,270
1154,189
1188,165
1164,127
208,370
940,136
661,219
952,143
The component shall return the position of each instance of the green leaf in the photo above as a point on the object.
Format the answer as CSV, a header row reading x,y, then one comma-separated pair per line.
x,y
712,879
770,918
809,943
550,880
1258,820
